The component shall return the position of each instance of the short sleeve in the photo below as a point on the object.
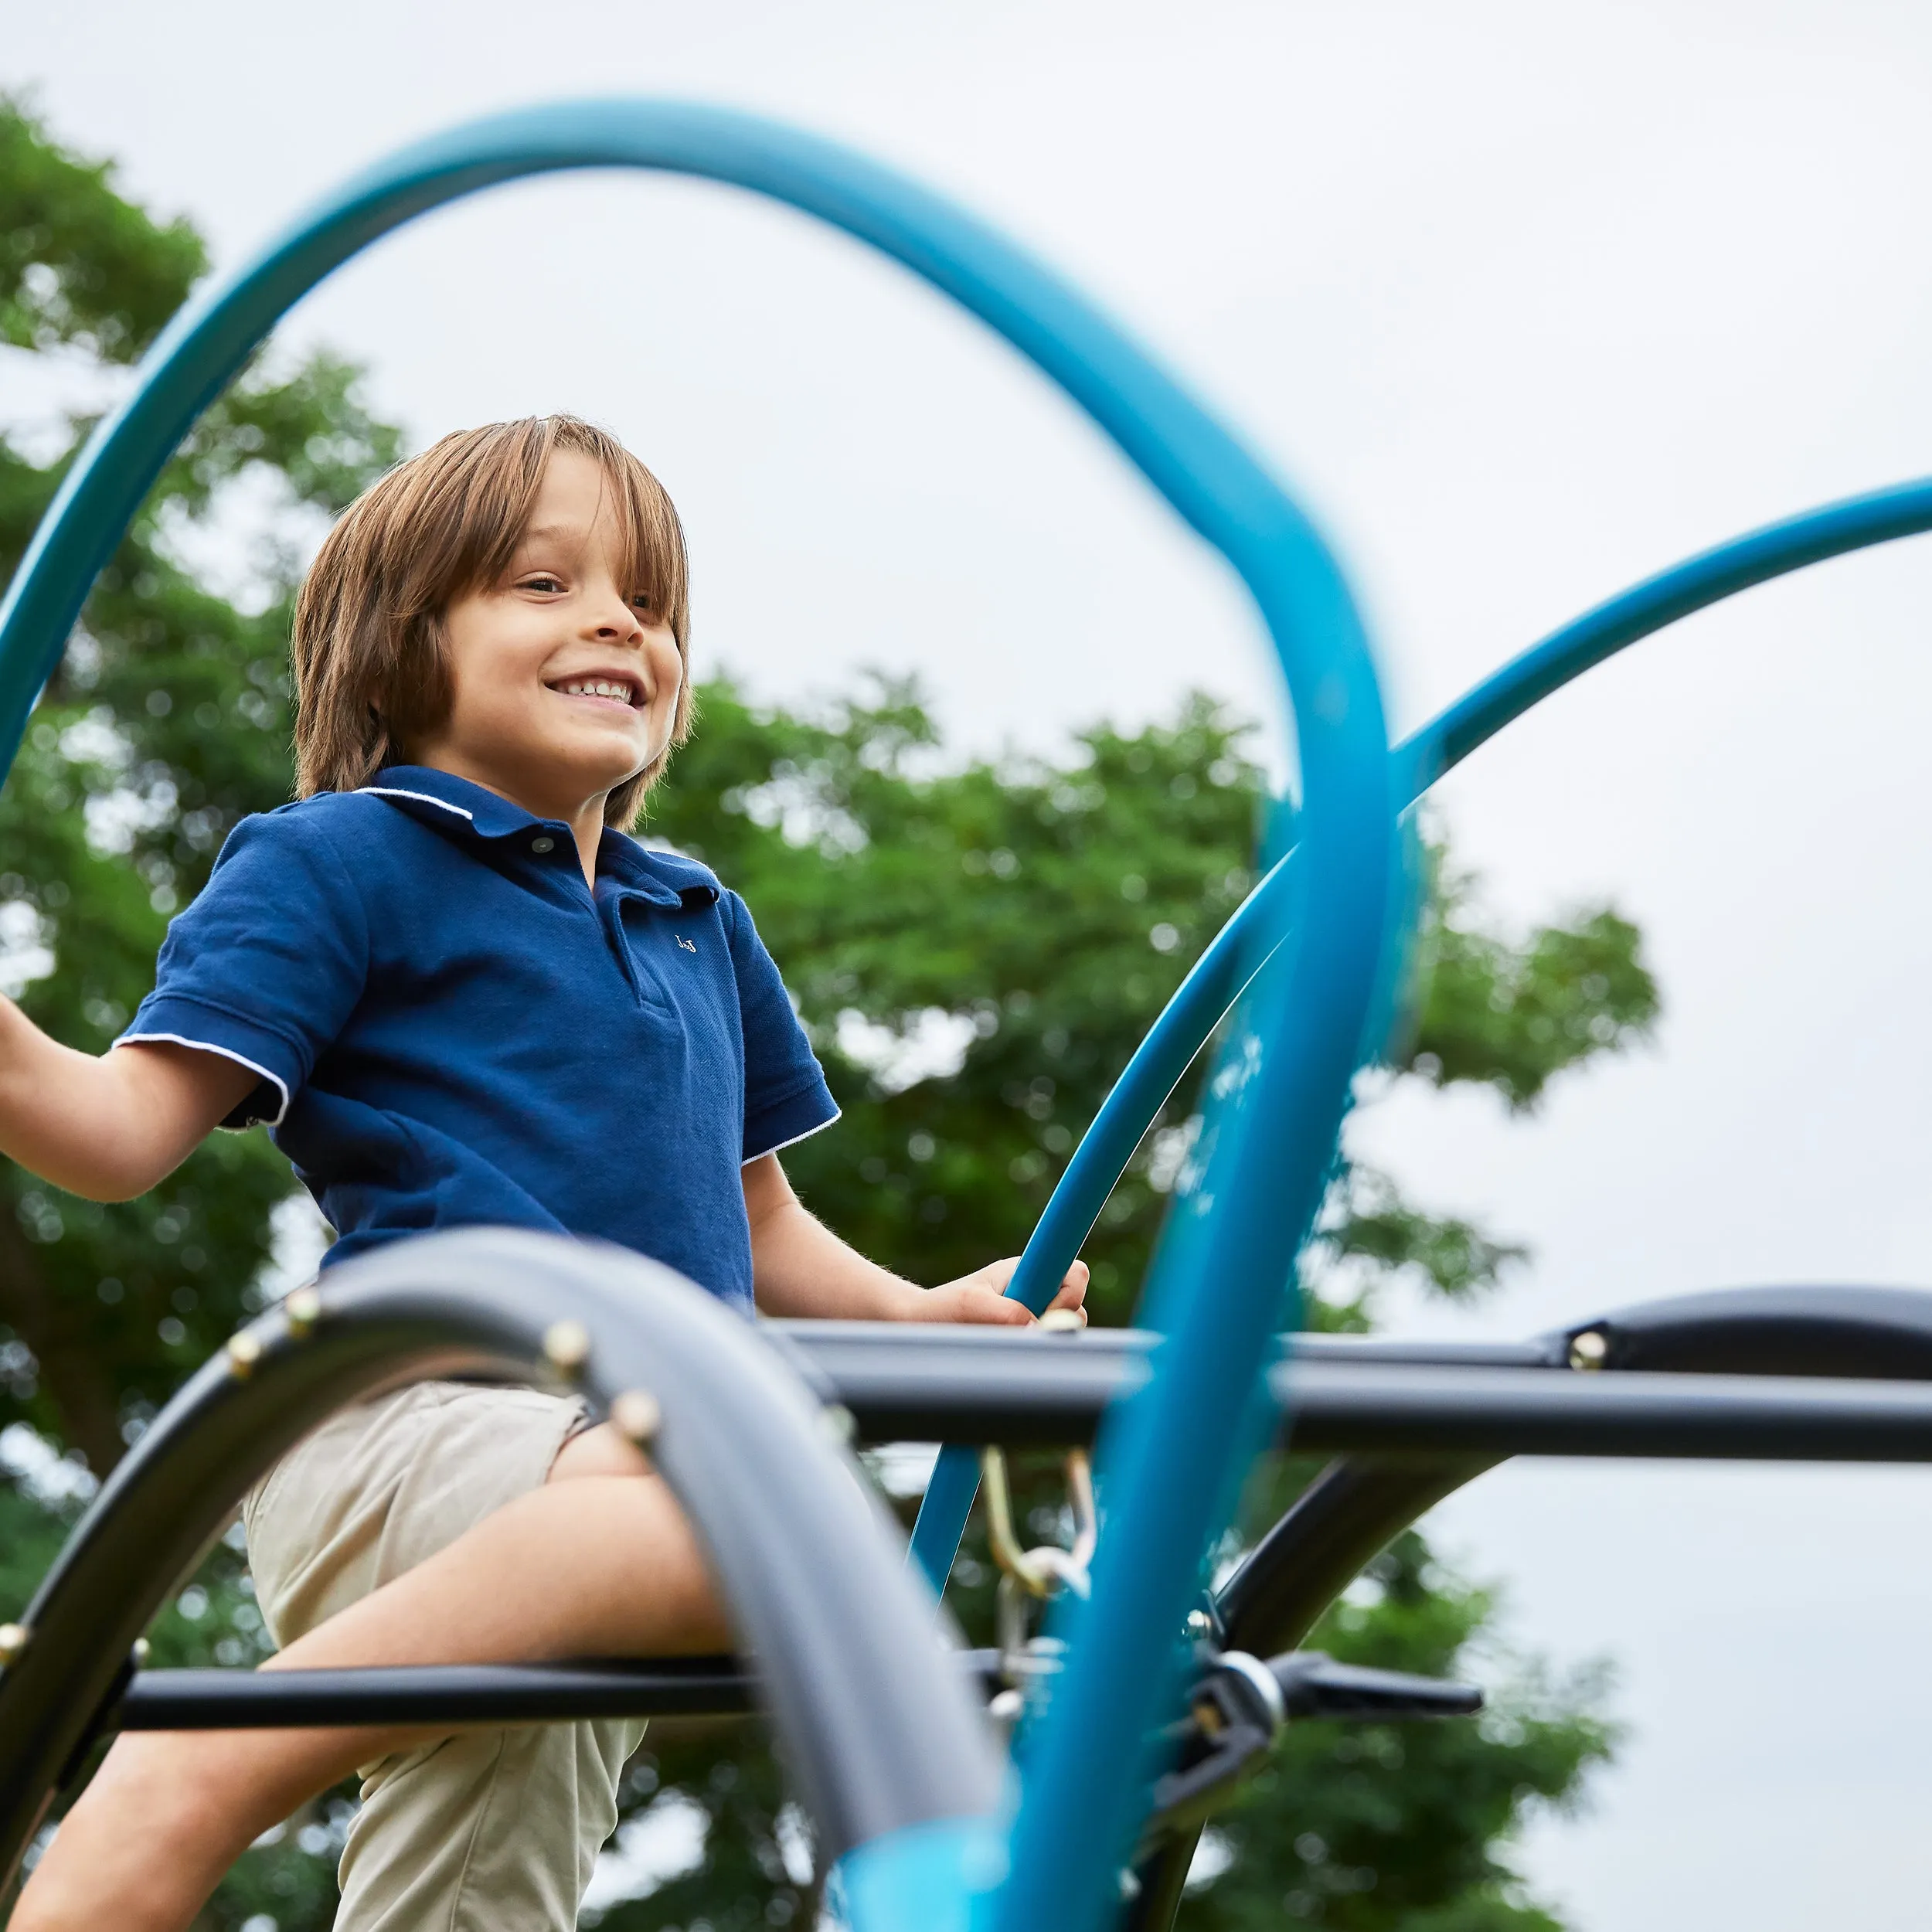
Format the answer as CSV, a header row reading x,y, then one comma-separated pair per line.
x,y
786,1097
267,963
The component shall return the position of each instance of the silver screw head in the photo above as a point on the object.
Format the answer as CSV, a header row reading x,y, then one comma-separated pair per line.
x,y
244,1350
301,1311
567,1346
14,1640
1590,1349
635,1416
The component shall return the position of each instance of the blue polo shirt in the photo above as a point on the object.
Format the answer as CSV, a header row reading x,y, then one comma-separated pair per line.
x,y
452,1030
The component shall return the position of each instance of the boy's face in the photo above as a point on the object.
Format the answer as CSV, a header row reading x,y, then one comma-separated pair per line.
x,y
564,682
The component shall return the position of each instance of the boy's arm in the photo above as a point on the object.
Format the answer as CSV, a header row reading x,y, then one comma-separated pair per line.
x,y
109,1127
801,1267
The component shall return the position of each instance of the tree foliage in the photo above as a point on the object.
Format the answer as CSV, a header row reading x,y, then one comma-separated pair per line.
x,y
81,267
976,947
168,721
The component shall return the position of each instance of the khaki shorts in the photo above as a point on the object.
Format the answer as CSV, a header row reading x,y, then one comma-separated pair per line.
x,y
493,1831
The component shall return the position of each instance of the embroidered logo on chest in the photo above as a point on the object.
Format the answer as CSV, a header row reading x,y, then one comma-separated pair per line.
x,y
690,946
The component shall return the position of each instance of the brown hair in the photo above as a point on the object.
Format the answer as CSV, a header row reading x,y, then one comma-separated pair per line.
x,y
371,662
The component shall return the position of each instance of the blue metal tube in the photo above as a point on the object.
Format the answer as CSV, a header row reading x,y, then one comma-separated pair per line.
x,y
1774,550
1202,1002
1170,1460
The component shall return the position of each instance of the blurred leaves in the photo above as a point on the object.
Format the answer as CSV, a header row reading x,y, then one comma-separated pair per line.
x,y
1369,1221
167,722
81,267
1514,1015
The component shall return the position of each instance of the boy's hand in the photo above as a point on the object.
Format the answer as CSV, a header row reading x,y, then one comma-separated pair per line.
x,y
802,1268
978,1297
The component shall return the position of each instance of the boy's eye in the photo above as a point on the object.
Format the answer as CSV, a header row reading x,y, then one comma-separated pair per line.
x,y
542,581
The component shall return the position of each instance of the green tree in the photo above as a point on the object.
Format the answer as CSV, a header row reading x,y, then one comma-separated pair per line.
x,y
975,947
167,722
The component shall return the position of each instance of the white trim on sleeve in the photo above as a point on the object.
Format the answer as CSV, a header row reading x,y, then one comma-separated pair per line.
x,y
838,1113
424,797
226,1052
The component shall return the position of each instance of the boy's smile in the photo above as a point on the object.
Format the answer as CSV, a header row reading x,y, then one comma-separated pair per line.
x,y
618,689
564,680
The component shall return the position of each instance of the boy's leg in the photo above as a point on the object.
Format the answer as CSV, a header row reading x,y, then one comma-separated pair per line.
x,y
594,1564
492,1829
488,1830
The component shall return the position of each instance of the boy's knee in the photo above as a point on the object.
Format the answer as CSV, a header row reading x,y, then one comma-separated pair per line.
x,y
599,1451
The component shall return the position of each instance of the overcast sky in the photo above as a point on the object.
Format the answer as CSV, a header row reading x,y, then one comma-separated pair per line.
x,y
1525,301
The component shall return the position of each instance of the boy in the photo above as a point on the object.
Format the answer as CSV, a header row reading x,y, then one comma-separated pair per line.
x,y
458,994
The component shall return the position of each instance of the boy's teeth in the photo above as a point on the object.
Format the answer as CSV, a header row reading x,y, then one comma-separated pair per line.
x,y
596,688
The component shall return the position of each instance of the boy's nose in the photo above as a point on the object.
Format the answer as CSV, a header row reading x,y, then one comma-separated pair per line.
x,y
615,621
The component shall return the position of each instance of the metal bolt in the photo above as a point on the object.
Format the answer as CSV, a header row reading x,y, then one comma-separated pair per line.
x,y
636,1415
1590,1350
301,1311
1062,1321
244,1350
142,1650
839,1423
14,1639
1199,1623
1007,1707
567,1346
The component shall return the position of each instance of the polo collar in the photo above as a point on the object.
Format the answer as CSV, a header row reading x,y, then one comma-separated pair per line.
x,y
441,799
469,812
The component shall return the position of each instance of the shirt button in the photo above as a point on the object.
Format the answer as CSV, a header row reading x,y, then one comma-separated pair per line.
x,y
542,845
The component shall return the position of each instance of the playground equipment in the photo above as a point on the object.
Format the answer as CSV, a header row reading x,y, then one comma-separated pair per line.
x,y
1149,1696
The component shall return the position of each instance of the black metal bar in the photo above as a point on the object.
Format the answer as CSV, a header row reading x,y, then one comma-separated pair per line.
x,y
214,1700
1881,1334
1496,1413
1314,1685
1023,1386
1159,1879
1351,1512
877,1730
935,1383
208,1700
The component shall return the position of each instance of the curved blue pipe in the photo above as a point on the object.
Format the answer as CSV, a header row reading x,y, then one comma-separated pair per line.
x,y
1171,1460
1774,550
1219,975
1199,1005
